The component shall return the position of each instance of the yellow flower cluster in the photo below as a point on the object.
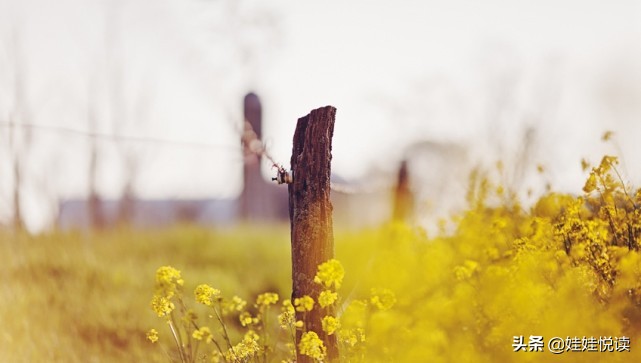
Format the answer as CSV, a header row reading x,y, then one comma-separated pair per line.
x,y
268,298
383,299
312,346
327,298
330,273
245,350
330,324
466,270
351,337
187,332
203,334
287,317
186,328
599,227
152,335
161,305
168,287
305,303
235,305
168,281
247,319
206,294
569,265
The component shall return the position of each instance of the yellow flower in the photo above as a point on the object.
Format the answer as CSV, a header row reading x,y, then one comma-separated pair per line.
x,y
168,281
330,273
330,324
215,356
267,298
286,319
311,346
287,305
327,298
584,164
606,163
352,337
590,184
236,304
246,319
251,336
244,350
305,303
152,335
203,333
206,294
466,271
383,299
161,305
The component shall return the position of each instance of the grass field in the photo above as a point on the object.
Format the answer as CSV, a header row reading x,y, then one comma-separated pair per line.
x,y
74,297
567,268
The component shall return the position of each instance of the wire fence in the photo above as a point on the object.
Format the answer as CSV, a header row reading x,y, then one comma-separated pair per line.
x,y
249,144
118,137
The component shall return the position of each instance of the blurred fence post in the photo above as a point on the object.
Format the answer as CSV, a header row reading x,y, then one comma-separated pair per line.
x,y
310,213
254,202
403,197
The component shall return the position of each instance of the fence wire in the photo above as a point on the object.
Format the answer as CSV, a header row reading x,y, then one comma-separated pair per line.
x,y
249,144
117,137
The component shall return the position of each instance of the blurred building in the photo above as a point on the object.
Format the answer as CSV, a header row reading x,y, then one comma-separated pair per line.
x,y
426,184
435,174
75,214
261,201
429,183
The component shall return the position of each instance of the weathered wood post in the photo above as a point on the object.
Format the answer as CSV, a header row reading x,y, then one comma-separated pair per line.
x,y
253,198
310,213
403,197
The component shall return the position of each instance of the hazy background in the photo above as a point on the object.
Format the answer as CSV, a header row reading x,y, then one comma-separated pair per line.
x,y
160,85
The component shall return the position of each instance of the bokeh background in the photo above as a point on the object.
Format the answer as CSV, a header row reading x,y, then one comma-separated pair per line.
x,y
120,151
143,100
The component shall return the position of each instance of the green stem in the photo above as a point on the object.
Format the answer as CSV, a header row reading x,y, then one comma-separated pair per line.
x,y
265,334
225,333
220,350
190,348
176,339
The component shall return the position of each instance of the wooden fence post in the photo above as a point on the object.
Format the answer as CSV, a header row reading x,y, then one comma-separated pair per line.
x,y
254,197
310,213
403,197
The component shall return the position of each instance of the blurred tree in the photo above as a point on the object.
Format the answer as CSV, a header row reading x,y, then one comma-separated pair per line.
x,y
96,216
125,112
17,117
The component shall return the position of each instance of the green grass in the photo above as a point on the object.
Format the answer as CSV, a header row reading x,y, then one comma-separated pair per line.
x,y
79,297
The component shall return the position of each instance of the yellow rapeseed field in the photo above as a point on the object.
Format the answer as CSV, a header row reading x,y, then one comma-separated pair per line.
x,y
560,281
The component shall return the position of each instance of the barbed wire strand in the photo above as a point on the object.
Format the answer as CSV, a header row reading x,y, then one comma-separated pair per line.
x,y
117,138
254,145
250,142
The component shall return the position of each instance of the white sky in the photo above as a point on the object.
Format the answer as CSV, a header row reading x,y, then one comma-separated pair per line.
x,y
398,72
